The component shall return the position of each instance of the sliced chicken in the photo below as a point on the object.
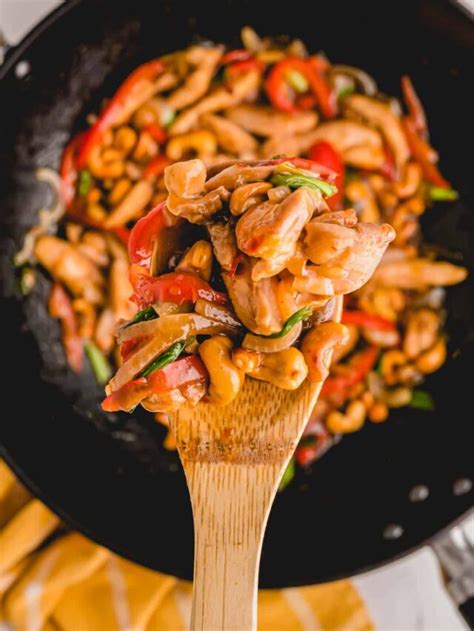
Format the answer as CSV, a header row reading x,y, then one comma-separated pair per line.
x,y
230,136
344,257
223,243
239,173
380,116
359,145
265,121
185,182
221,98
68,265
204,60
270,230
255,303
418,273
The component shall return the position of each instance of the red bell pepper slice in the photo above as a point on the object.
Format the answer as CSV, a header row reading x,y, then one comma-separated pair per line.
x,y
415,108
239,54
277,87
313,444
155,167
68,169
144,234
362,318
177,374
60,307
327,97
157,132
358,367
281,95
239,67
421,152
177,287
325,154
116,105
127,397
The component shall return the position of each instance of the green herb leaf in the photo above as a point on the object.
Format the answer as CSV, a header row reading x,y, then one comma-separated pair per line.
x,y
299,315
288,475
84,182
346,91
167,117
286,174
164,359
98,361
297,81
439,194
421,400
141,316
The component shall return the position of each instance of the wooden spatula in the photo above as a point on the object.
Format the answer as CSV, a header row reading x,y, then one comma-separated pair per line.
x,y
234,457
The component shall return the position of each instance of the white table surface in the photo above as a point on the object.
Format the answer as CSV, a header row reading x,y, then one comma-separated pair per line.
x,y
402,596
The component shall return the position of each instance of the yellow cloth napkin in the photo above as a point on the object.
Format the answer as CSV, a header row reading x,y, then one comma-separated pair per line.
x,y
52,581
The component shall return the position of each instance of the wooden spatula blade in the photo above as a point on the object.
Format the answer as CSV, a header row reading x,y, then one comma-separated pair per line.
x,y
234,457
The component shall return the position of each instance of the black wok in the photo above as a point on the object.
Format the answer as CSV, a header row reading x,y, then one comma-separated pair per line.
x,y
108,476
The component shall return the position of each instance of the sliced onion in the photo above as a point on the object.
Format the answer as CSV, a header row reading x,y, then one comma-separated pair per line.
x,y
364,80
272,345
217,312
163,332
48,217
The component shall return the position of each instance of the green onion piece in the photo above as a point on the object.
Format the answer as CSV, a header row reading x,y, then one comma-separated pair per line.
x,y
84,182
421,400
27,280
299,315
345,91
439,194
164,359
288,475
167,117
286,174
98,361
297,81
141,316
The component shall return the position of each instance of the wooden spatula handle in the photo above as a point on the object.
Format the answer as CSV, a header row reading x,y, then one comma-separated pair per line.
x,y
231,503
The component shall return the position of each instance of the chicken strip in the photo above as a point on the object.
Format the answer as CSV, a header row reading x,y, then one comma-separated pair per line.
x,y
344,257
224,244
380,116
68,265
359,145
185,182
265,121
270,230
221,98
237,174
205,61
255,303
230,136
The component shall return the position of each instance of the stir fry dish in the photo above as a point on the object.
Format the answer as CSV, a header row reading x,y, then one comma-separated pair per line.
x,y
260,308
233,194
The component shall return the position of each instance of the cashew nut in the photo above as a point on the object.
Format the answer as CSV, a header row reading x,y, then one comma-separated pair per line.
x,y
198,259
101,169
421,331
286,369
248,195
203,143
317,346
226,379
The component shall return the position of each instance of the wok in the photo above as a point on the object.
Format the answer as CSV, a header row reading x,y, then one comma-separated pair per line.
x,y
108,475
